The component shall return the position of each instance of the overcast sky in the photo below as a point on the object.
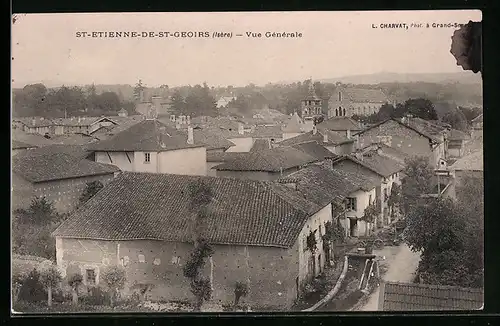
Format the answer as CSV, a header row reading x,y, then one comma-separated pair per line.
x,y
333,44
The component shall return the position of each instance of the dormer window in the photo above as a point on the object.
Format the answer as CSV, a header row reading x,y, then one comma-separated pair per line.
x,y
147,157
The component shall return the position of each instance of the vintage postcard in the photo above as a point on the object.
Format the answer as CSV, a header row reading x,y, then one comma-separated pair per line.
x,y
247,161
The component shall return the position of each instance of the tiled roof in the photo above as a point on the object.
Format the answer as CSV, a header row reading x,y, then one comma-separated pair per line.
x,y
272,131
334,138
260,144
271,160
380,164
391,152
361,177
147,135
46,167
73,139
417,130
430,128
425,297
225,156
30,139
157,206
211,140
315,150
361,95
323,185
340,124
76,151
20,145
35,121
472,162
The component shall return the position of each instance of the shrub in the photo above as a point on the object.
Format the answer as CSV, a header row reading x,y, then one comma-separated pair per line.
x,y
96,297
32,290
114,277
240,290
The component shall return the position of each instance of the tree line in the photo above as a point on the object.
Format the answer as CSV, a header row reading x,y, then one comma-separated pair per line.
x,y
38,100
457,117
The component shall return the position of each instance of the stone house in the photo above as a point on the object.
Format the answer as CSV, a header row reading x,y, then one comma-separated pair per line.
x,y
384,171
405,138
331,140
151,146
349,101
345,126
59,177
348,193
264,165
140,221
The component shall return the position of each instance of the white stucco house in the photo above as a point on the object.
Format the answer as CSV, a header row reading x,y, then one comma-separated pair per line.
x,y
151,146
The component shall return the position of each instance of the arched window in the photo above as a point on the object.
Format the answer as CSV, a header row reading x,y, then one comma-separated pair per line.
x,y
336,112
344,112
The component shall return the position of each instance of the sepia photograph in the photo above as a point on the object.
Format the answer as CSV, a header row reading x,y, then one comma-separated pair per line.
x,y
193,162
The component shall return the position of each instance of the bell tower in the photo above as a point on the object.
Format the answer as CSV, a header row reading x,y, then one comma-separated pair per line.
x,y
312,105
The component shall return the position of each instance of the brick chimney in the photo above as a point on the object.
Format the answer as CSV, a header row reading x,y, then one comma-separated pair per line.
x,y
325,137
314,130
190,139
348,133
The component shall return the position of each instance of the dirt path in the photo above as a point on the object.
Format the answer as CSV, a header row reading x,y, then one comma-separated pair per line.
x,y
401,264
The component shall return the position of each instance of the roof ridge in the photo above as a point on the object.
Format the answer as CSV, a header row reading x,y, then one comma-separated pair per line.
x,y
436,286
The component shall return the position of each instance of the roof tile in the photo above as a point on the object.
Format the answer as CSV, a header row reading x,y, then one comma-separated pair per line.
x,y
157,206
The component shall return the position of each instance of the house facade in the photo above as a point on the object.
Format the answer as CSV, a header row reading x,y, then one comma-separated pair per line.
x,y
151,146
245,249
349,101
404,138
60,178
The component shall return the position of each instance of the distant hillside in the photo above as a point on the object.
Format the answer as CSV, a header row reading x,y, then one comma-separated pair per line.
x,y
465,77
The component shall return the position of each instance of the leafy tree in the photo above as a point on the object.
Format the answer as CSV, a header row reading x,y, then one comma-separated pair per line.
x,y
50,278
422,108
470,113
417,181
370,215
40,211
91,188
201,196
115,278
75,281
386,111
178,103
32,289
456,119
395,198
107,101
31,100
449,242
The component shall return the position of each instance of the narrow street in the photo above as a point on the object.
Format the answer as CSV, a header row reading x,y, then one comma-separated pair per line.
x,y
400,264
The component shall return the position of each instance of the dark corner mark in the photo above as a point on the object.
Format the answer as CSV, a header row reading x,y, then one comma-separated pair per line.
x,y
466,46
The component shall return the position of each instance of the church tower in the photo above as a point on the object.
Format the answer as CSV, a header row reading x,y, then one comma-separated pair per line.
x,y
311,107
312,104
